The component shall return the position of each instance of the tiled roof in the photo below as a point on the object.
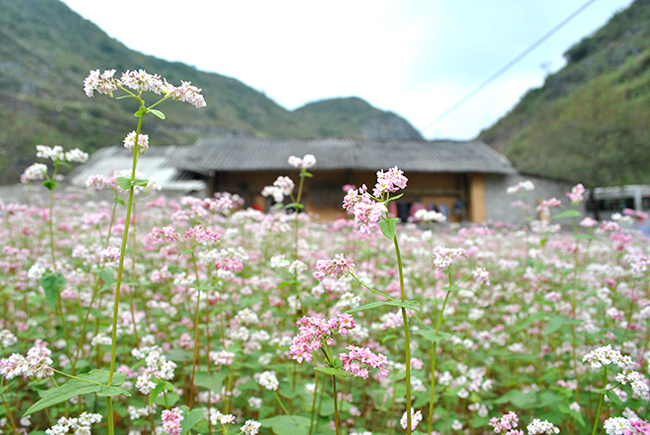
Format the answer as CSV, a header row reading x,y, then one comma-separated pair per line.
x,y
238,153
158,164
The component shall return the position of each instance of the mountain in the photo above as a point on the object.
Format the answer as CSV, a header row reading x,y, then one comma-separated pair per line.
x,y
590,121
46,50
344,117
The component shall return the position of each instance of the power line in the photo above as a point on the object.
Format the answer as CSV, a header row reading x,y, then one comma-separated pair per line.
x,y
509,65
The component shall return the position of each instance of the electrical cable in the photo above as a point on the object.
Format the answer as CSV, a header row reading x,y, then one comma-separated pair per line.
x,y
507,66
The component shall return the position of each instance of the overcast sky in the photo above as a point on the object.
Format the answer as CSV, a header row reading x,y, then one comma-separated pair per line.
x,y
413,57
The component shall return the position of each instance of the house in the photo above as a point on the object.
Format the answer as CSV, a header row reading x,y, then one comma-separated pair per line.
x,y
158,164
449,175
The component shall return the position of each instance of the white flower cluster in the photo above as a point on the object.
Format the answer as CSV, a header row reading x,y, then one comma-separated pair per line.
x,y
143,142
636,379
281,187
605,355
35,172
541,427
251,427
306,162
444,257
141,81
7,338
222,357
56,153
217,417
429,216
80,425
36,364
522,185
416,417
156,367
267,380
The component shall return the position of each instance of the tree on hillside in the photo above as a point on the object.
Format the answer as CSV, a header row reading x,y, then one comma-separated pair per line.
x,y
596,138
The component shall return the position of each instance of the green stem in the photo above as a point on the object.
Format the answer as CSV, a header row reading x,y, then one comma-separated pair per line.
x,y
434,354
120,269
336,407
196,329
11,418
277,396
380,293
407,337
313,404
600,405
109,415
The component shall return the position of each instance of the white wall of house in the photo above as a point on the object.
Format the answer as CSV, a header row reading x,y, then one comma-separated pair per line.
x,y
498,202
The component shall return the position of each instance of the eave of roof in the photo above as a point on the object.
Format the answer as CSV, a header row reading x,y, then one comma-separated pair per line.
x,y
215,154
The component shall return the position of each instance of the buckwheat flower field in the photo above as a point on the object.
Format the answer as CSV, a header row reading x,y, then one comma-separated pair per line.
x,y
147,315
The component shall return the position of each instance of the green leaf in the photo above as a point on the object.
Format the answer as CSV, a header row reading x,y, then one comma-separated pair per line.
x,y
519,399
3,389
141,111
389,227
78,387
107,275
212,382
530,319
567,213
124,182
158,113
287,424
411,305
52,284
160,387
566,410
288,283
191,419
614,397
334,371
294,205
304,173
431,335
50,184
113,391
140,182
557,321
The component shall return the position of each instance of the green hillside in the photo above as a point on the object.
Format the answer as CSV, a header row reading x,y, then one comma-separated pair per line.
x,y
590,122
46,50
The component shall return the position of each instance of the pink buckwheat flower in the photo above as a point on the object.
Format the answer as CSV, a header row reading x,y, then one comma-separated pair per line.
x,y
281,187
202,235
97,182
143,142
359,359
390,181
506,425
164,234
313,332
336,268
172,420
576,194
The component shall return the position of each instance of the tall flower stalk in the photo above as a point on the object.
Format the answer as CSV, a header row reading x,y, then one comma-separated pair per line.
x,y
133,84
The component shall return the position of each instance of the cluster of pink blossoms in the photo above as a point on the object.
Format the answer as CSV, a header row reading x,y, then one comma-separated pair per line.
x,y
623,426
576,194
141,81
359,359
202,235
165,234
508,423
367,210
336,268
314,331
172,420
